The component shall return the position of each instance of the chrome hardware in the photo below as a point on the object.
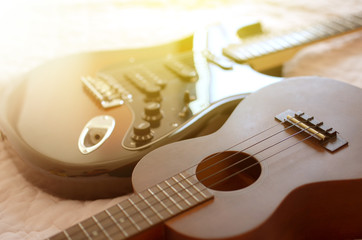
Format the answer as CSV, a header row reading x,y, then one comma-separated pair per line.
x,y
95,133
107,91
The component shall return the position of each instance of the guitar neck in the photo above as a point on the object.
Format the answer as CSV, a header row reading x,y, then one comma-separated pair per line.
x,y
141,211
274,51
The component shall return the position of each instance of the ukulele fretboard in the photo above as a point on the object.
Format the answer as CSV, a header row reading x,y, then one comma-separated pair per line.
x,y
141,211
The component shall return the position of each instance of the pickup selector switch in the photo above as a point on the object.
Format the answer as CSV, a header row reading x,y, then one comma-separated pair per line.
x,y
188,98
142,132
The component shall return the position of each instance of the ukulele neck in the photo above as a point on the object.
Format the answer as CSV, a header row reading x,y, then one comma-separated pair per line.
x,y
141,211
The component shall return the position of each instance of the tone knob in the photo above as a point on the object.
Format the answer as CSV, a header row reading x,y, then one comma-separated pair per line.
x,y
152,112
152,91
142,132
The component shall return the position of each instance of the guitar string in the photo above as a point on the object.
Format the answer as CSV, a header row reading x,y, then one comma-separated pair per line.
x,y
257,134
256,163
231,165
172,195
249,156
238,172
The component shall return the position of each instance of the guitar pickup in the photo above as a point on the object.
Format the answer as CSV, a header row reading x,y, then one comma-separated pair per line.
x,y
328,137
107,91
182,70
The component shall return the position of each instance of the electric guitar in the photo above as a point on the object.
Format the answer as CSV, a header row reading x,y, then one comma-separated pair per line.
x,y
285,165
95,113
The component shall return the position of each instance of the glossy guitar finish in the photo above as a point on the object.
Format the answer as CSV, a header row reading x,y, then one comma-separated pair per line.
x,y
292,188
53,122
305,192
143,98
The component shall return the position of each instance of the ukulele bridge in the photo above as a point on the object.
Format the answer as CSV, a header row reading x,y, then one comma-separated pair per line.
x,y
328,137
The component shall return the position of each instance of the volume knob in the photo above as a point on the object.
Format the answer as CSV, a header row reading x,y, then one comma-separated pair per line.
x,y
152,112
142,132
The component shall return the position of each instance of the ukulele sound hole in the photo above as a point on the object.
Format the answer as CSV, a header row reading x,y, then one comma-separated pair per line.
x,y
228,171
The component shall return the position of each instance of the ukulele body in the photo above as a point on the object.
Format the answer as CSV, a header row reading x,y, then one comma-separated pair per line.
x,y
303,192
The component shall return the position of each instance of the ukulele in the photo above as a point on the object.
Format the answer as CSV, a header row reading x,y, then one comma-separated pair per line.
x,y
285,165
98,113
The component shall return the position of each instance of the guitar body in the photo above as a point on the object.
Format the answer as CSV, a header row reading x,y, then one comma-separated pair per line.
x,y
44,114
98,114
54,122
301,192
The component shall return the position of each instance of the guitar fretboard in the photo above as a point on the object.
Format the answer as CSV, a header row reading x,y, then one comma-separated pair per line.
x,y
141,211
245,52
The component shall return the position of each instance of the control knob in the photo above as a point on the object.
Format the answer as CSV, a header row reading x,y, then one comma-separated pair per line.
x,y
152,112
142,132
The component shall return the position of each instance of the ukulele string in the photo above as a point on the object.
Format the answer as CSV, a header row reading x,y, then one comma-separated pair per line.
x,y
172,195
235,153
246,158
238,172
256,163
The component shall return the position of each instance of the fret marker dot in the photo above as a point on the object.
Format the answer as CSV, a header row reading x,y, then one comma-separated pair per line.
x,y
95,233
121,220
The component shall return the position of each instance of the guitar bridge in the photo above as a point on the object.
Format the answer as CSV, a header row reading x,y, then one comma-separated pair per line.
x,y
107,91
328,137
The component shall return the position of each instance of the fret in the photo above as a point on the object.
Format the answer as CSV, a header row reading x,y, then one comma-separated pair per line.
x,y
187,179
101,227
83,230
246,53
185,188
92,229
292,40
307,35
353,22
357,19
279,40
250,50
140,211
75,232
151,207
318,32
268,48
298,36
289,42
262,48
67,235
271,45
275,44
116,222
144,214
107,225
60,236
329,29
161,202
129,217
336,27
169,197
123,223
255,50
344,24
349,23
178,193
